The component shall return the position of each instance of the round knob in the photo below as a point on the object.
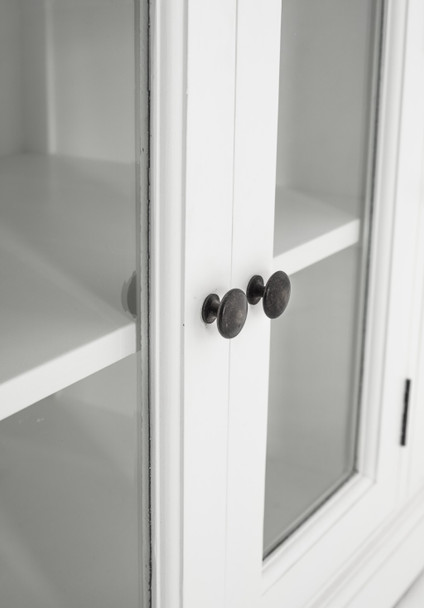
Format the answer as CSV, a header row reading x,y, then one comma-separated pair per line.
x,y
275,294
230,312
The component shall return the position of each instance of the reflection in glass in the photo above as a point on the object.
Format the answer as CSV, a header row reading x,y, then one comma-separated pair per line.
x,y
326,133
72,510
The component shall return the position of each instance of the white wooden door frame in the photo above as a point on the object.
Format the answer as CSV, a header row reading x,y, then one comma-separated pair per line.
x,y
167,214
209,426
413,180
349,518
192,88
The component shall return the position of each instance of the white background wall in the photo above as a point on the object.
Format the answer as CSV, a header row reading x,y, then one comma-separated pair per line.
x,y
67,78
10,78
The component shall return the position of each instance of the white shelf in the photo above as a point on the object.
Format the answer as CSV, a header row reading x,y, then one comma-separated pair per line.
x,y
67,234
69,517
308,230
414,596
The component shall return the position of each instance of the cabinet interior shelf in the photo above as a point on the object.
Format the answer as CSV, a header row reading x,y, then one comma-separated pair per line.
x,y
69,495
67,242
309,229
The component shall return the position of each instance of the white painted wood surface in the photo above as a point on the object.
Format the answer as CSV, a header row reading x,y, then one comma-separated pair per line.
x,y
255,143
414,596
413,189
193,112
208,231
210,420
308,230
67,248
167,160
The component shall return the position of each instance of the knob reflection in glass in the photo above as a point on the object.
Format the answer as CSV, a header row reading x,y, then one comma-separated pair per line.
x,y
129,295
230,313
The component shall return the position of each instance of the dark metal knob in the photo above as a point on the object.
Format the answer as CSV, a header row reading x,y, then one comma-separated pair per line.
x,y
275,294
230,312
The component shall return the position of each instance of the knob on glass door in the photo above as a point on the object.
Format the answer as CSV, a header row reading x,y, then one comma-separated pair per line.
x,y
230,313
275,294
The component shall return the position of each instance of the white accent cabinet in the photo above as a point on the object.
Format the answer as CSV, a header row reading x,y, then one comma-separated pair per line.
x,y
145,459
288,462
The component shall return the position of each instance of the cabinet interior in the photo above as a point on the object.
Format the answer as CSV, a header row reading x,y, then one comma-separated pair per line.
x,y
325,136
69,516
312,393
327,112
67,191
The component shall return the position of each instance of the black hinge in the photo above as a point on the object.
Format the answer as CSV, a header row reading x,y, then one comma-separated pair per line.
x,y
406,395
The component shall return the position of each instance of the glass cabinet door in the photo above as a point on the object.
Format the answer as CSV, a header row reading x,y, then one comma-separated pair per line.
x,y
329,71
73,200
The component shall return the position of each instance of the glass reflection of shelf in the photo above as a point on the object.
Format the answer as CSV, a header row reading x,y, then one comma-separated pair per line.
x,y
308,229
66,243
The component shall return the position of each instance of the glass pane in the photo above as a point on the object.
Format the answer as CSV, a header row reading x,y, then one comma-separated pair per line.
x,y
68,516
71,267
327,116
